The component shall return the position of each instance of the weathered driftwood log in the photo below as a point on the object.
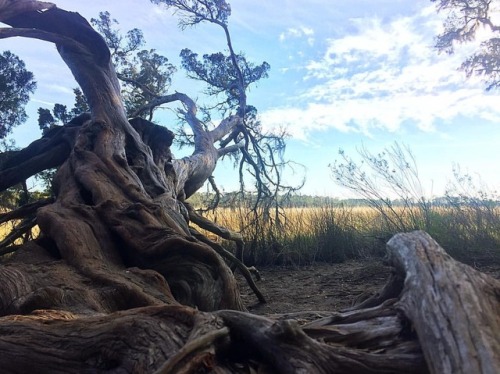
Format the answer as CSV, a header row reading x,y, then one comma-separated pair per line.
x,y
454,309
445,320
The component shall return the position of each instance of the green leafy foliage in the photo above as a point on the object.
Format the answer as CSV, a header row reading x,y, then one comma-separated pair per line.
x,y
121,47
485,63
222,75
464,19
145,74
81,105
45,119
230,74
60,114
16,85
147,77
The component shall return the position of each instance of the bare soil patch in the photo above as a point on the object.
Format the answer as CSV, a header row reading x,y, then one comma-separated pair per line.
x,y
326,287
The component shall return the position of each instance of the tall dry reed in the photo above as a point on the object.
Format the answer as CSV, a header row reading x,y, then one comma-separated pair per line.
x,y
335,233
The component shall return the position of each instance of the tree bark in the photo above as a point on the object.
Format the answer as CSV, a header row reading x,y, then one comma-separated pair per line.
x,y
116,194
454,309
117,282
443,333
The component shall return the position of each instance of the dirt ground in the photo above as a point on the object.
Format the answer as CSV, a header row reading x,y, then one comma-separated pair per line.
x,y
325,287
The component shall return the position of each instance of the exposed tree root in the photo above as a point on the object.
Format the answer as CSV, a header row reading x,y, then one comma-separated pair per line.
x,y
7,245
182,362
25,210
245,271
223,233
394,336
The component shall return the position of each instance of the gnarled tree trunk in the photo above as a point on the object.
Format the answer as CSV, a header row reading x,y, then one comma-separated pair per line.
x,y
117,281
116,204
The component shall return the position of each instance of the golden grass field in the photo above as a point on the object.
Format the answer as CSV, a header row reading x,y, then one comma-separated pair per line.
x,y
338,233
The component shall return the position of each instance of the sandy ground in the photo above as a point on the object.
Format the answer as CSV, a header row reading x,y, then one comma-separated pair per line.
x,y
326,287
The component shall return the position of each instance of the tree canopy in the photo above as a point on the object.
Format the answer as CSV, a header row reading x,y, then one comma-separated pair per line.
x,y
464,19
16,85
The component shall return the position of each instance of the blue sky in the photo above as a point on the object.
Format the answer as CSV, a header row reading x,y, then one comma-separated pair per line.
x,y
344,74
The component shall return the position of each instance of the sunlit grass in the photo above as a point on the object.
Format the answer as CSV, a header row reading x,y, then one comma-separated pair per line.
x,y
337,233
4,230
7,227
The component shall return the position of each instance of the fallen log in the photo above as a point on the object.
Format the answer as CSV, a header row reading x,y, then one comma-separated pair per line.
x,y
454,309
445,319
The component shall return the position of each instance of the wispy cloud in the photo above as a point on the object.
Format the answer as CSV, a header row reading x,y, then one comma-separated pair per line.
x,y
384,75
298,32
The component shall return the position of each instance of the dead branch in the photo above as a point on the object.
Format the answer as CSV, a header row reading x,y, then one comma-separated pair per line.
x,y
25,210
17,232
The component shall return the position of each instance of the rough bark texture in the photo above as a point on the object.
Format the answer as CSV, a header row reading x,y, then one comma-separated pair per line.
x,y
116,203
444,321
117,281
454,309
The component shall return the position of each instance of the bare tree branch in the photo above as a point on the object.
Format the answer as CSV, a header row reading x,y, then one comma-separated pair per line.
x,y
230,149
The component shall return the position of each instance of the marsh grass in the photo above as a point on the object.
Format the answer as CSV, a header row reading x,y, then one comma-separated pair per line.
x,y
335,233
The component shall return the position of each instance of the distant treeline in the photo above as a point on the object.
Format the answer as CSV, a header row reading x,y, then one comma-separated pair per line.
x,y
468,230
232,199
14,197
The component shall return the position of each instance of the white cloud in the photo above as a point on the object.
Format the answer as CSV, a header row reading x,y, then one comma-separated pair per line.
x,y
54,87
298,32
383,76
314,117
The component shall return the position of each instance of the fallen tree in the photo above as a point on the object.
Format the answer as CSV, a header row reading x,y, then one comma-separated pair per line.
x,y
434,315
118,281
